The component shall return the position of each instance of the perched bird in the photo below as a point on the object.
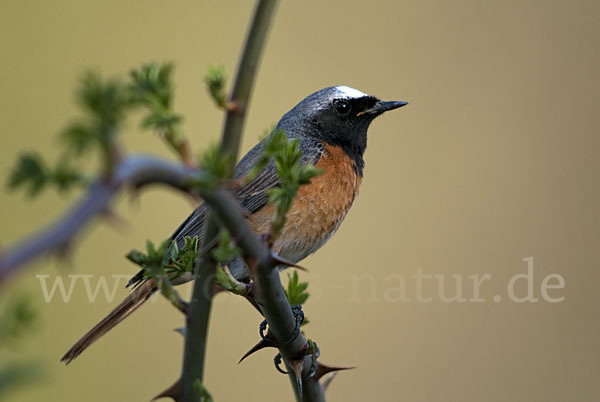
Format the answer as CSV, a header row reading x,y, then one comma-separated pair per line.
x,y
331,126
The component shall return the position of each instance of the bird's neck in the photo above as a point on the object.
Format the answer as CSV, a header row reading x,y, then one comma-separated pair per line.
x,y
354,147
355,153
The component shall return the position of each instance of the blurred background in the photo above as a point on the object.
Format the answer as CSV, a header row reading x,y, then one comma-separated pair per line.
x,y
494,160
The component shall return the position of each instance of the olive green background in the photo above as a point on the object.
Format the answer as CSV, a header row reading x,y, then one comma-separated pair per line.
x,y
494,160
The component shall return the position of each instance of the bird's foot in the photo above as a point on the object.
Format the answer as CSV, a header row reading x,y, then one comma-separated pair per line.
x,y
299,315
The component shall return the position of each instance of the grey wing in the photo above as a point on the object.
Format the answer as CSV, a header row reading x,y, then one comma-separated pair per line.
x,y
252,196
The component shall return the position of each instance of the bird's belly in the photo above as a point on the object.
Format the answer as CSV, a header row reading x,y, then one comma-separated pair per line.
x,y
318,209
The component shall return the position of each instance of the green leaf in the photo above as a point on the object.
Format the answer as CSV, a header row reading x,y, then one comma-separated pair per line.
x,y
205,396
160,264
105,101
17,318
167,258
186,258
31,172
80,137
286,157
227,281
137,257
296,291
151,84
174,250
65,176
215,80
307,173
214,169
16,374
191,243
161,120
226,250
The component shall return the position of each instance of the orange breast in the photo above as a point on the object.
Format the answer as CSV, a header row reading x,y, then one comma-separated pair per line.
x,y
318,209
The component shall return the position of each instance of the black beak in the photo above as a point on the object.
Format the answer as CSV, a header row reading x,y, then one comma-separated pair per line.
x,y
381,107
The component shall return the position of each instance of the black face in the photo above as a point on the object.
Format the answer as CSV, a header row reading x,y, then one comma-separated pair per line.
x,y
345,116
344,122
339,116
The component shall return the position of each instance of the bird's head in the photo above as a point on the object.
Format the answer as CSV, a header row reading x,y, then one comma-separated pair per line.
x,y
338,115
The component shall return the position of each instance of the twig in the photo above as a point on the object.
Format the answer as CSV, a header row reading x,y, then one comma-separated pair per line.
x,y
135,170
197,320
244,80
141,170
269,291
200,305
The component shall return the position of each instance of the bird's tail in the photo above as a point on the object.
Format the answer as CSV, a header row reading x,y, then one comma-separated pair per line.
x,y
127,306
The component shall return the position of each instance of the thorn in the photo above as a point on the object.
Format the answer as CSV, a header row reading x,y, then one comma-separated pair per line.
x,y
114,220
233,185
315,355
251,263
251,298
63,252
172,392
180,330
134,197
282,261
247,214
327,381
236,185
232,106
297,366
194,199
267,238
323,369
210,245
183,306
262,344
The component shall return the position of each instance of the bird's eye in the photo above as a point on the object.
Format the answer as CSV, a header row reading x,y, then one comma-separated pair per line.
x,y
341,107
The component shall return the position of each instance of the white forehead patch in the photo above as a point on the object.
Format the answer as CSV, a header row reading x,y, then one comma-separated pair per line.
x,y
350,92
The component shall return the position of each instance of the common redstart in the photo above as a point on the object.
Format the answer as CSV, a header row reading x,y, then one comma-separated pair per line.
x,y
331,127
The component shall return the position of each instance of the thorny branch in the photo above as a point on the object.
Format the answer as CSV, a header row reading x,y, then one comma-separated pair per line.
x,y
200,305
135,171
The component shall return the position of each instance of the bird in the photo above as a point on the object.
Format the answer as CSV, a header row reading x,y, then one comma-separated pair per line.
x,y
331,128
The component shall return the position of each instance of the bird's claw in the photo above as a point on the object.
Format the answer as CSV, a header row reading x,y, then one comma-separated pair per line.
x,y
261,330
277,361
299,315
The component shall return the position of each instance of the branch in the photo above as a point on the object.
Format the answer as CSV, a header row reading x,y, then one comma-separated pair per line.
x,y
200,305
135,170
242,87
269,292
